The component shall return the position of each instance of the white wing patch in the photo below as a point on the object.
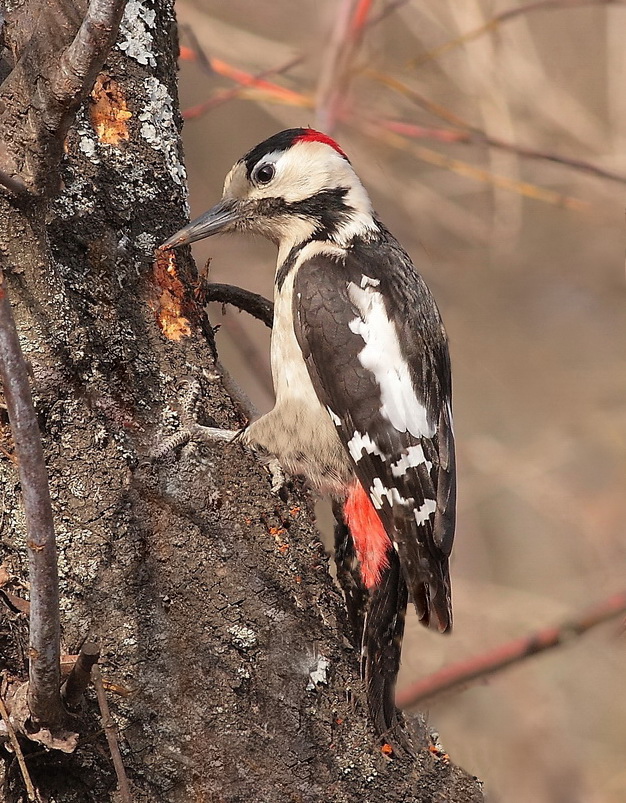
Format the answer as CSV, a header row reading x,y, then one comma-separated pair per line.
x,y
360,441
423,513
413,457
378,490
383,357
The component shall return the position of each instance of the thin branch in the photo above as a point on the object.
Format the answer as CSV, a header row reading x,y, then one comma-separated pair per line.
x,y
256,305
525,188
110,731
44,652
197,49
80,675
475,136
30,789
505,16
214,66
480,666
225,95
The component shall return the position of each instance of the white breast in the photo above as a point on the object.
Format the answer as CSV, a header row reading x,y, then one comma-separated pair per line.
x,y
299,430
289,372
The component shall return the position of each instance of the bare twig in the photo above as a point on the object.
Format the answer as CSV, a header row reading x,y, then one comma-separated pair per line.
x,y
110,731
44,666
256,305
80,675
218,67
246,80
472,135
225,95
30,789
464,672
505,16
203,59
525,188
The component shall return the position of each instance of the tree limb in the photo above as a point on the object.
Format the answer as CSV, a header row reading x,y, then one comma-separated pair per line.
x,y
81,61
256,305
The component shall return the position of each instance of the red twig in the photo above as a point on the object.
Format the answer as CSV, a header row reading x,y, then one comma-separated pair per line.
x,y
479,666
44,652
244,80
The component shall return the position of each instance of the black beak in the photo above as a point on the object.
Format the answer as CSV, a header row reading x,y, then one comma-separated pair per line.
x,y
215,220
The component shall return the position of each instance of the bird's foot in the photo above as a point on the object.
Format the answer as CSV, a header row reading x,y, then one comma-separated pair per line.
x,y
190,429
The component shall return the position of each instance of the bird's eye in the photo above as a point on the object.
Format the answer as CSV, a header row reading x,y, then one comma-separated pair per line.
x,y
265,174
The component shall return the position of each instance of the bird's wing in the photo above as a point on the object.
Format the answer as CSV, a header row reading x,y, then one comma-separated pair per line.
x,y
377,356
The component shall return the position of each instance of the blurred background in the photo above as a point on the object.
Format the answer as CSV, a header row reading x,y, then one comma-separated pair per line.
x,y
458,116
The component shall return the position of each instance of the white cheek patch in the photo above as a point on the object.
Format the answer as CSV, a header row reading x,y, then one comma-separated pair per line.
x,y
360,442
383,357
412,458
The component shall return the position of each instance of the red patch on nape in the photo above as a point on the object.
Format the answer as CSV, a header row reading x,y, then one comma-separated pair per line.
x,y
311,135
370,539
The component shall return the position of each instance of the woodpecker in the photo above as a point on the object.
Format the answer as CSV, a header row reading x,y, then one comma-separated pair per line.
x,y
361,373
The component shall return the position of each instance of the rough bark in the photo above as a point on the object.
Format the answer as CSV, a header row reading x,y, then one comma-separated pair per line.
x,y
211,598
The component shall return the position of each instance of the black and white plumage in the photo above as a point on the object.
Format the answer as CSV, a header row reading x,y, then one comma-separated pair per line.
x,y
362,378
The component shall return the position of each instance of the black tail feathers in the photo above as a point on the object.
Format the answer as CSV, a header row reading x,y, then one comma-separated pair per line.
x,y
380,652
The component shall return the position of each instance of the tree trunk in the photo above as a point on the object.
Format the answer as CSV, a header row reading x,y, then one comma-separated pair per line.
x,y
221,630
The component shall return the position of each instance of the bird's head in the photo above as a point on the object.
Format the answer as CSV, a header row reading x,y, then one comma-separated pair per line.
x,y
295,186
